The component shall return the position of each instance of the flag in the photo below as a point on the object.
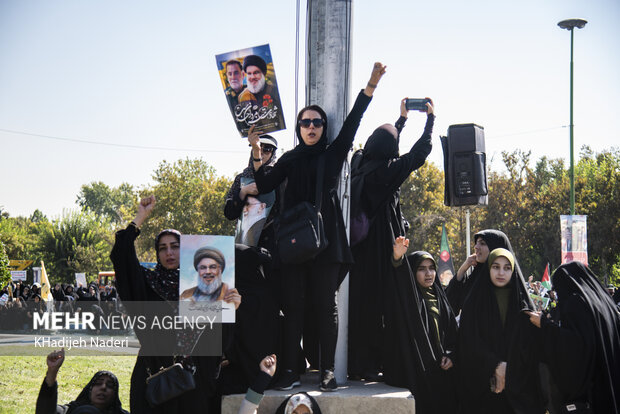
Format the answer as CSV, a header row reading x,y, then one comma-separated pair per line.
x,y
45,284
445,268
546,282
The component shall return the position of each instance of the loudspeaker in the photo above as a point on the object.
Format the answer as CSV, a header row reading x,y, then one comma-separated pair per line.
x,y
465,166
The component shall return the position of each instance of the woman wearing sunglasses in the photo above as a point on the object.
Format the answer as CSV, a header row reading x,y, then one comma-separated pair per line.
x,y
317,279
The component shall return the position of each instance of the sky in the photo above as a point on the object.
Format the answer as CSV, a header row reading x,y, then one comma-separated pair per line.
x,y
107,90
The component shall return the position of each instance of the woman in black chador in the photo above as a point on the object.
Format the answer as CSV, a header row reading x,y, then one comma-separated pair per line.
x,y
582,349
475,265
136,285
384,172
99,396
427,343
498,364
316,279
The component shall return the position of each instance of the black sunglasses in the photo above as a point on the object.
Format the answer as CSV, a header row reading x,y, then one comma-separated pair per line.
x,y
267,148
317,122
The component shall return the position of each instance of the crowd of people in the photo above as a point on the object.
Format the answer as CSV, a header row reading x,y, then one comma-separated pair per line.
x,y
479,345
23,300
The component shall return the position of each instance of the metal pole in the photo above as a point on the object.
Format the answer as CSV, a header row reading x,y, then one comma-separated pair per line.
x,y
467,233
327,85
570,24
572,159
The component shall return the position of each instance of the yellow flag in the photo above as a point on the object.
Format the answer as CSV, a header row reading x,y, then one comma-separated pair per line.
x,y
45,284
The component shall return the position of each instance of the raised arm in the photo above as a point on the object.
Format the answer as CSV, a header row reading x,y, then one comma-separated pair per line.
x,y
343,142
48,394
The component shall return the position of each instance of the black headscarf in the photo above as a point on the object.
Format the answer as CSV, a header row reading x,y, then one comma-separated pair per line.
x,y
302,150
484,341
382,144
315,406
420,355
164,282
576,285
458,292
84,398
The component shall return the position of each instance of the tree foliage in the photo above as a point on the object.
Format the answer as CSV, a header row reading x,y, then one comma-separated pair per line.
x,y
76,242
5,275
112,203
190,198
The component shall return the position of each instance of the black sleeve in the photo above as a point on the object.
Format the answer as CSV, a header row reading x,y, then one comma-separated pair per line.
x,y
339,148
261,382
130,282
47,400
400,124
268,179
399,169
233,206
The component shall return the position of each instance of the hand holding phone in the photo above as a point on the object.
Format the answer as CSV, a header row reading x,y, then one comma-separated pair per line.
x,y
417,104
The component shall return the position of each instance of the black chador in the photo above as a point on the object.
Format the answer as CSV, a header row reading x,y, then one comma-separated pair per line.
x,y
368,285
494,329
428,332
582,349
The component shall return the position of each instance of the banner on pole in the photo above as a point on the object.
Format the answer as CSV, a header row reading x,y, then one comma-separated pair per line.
x,y
574,239
445,267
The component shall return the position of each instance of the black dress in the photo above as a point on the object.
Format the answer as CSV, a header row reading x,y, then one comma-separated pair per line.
x,y
133,285
415,353
319,278
485,341
582,350
368,283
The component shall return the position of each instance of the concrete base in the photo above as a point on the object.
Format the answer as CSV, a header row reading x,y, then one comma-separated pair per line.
x,y
351,397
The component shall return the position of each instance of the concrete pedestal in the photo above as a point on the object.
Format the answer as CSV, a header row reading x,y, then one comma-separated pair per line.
x,y
351,397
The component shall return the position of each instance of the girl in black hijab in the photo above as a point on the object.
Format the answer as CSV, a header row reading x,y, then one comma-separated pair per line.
x,y
498,367
426,346
316,279
136,285
582,350
99,396
475,265
384,172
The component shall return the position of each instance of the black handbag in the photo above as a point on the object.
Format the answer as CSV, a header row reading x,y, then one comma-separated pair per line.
x,y
300,234
169,383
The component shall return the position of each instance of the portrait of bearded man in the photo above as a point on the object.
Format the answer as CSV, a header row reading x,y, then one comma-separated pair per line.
x,y
209,264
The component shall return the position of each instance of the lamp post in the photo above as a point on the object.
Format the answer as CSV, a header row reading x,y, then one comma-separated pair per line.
x,y
570,24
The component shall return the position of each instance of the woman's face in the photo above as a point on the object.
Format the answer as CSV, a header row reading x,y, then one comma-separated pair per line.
x,y
425,273
102,392
481,250
168,251
501,272
312,133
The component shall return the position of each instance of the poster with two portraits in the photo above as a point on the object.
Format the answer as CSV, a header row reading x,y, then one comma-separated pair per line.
x,y
249,81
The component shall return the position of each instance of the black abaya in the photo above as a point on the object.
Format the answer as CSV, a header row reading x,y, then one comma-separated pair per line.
x,y
582,351
484,342
368,285
415,351
137,284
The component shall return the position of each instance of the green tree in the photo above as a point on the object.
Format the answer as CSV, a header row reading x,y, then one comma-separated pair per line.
x,y
190,198
111,203
76,242
5,275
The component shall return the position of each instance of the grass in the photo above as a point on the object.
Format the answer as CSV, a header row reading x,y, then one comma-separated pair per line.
x,y
21,378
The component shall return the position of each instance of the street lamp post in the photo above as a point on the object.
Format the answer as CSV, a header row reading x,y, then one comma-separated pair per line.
x,y
570,24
